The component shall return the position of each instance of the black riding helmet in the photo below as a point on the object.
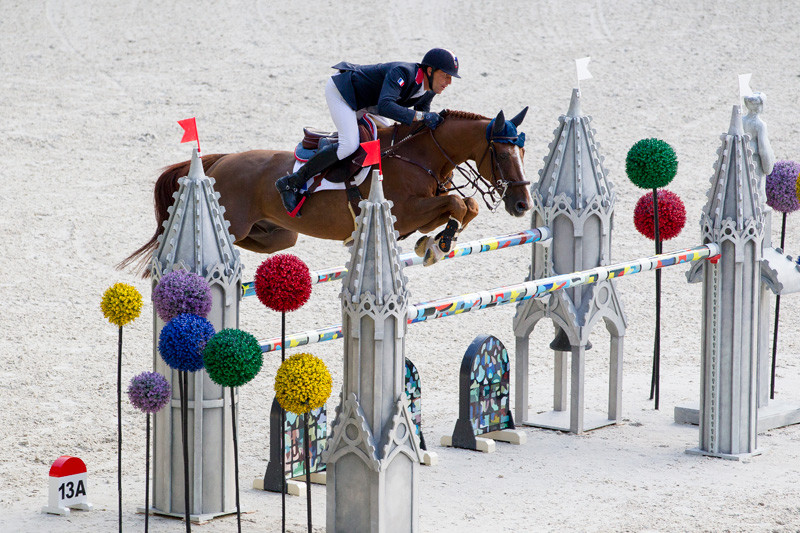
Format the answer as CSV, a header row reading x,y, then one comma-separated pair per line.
x,y
440,59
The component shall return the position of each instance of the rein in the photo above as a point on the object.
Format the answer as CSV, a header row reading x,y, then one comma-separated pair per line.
x,y
494,189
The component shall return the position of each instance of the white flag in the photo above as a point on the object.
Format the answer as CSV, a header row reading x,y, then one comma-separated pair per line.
x,y
582,66
744,85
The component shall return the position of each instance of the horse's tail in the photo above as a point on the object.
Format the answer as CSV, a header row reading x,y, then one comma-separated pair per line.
x,y
166,185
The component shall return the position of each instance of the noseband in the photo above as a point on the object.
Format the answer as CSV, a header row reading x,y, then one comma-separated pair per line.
x,y
492,190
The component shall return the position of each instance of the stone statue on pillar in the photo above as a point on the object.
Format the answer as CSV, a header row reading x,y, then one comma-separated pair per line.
x,y
763,157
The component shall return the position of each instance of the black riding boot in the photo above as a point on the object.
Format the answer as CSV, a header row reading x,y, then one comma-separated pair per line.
x,y
289,186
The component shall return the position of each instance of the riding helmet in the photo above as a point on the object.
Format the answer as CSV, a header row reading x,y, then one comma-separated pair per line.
x,y
442,59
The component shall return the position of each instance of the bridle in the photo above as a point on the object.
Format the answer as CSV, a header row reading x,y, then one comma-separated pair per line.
x,y
492,190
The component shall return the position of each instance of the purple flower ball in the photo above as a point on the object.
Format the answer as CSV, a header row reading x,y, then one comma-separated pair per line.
x,y
181,292
780,185
149,392
182,341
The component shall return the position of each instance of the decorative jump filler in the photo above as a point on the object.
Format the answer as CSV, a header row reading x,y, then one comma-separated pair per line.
x,y
287,450
575,199
484,413
373,454
293,450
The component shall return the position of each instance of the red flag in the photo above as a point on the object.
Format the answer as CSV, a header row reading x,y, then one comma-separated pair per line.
x,y
373,149
189,126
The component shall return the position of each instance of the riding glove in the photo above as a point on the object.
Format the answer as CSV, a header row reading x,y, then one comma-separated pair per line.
x,y
432,119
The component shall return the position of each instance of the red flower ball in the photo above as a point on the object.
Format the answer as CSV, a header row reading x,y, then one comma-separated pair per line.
x,y
283,283
671,215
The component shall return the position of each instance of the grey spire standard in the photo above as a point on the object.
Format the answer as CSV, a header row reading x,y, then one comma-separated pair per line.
x,y
196,239
733,219
373,454
575,199
780,274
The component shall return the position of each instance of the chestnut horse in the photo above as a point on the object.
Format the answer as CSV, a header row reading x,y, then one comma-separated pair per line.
x,y
418,165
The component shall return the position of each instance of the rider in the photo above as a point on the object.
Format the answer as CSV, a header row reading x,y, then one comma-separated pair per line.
x,y
387,89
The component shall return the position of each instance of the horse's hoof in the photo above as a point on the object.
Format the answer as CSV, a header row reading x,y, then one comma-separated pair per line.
x,y
430,259
422,246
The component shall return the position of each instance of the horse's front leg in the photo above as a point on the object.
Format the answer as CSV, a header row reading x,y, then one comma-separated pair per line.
x,y
429,214
472,212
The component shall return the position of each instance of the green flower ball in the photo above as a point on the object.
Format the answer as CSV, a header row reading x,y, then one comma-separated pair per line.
x,y
651,164
232,357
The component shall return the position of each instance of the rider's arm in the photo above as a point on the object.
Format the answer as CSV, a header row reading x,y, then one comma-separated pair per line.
x,y
395,79
424,103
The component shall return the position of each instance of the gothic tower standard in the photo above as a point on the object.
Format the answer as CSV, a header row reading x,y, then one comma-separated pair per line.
x,y
733,219
575,199
373,456
196,238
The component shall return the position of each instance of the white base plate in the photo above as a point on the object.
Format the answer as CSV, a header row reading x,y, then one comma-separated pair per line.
x,y
559,420
775,415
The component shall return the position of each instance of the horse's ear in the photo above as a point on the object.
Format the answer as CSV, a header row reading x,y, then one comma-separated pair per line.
x,y
516,121
499,123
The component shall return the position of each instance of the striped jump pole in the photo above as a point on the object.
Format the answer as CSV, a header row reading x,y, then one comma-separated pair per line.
x,y
454,305
489,244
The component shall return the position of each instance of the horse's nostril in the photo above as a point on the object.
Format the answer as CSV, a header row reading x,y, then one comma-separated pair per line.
x,y
522,206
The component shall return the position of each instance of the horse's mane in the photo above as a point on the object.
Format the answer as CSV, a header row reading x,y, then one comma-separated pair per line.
x,y
450,113
466,115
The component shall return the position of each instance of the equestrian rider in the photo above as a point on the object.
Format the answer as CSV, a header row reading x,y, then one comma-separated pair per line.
x,y
386,89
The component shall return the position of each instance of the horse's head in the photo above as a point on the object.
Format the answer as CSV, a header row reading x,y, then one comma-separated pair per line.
x,y
502,164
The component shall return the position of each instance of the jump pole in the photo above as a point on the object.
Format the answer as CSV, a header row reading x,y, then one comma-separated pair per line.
x,y
454,305
488,244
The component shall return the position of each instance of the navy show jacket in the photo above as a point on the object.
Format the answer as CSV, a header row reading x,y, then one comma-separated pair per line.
x,y
388,86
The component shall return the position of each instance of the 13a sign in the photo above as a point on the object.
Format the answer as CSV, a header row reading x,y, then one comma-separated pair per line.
x,y
67,486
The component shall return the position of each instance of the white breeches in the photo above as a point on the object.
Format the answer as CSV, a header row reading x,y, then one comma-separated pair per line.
x,y
345,120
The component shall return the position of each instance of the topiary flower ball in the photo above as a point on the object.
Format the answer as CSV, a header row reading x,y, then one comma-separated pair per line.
x,y
121,304
651,163
671,215
181,292
149,392
232,357
781,186
283,283
302,383
182,341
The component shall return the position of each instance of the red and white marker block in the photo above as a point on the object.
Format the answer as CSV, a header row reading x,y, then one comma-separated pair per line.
x,y
67,486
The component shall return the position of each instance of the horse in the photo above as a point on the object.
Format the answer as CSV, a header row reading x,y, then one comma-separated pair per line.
x,y
418,168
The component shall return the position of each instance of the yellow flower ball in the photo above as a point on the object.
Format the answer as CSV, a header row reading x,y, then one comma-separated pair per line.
x,y
121,304
302,383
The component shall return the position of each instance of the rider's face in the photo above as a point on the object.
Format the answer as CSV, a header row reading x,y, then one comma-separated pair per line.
x,y
440,81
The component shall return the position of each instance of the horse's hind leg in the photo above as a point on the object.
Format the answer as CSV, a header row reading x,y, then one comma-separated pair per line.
x,y
267,238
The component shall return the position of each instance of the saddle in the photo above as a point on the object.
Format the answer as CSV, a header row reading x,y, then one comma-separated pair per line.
x,y
347,168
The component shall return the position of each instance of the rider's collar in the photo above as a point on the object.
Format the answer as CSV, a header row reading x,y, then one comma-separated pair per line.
x,y
508,135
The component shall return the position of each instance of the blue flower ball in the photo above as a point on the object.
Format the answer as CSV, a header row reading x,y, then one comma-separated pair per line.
x,y
182,341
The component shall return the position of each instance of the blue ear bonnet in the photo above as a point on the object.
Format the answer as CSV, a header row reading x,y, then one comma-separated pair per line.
x,y
508,135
